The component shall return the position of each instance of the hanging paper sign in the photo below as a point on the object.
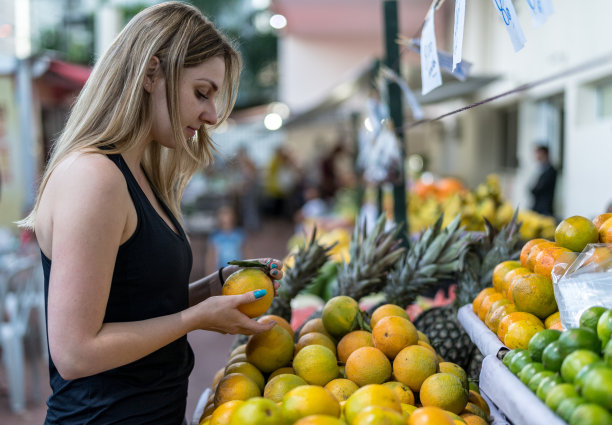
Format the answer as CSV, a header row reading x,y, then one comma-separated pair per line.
x,y
431,77
506,11
461,71
540,11
417,111
458,31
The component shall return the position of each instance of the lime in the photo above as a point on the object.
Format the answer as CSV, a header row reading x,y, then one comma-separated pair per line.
x,y
528,371
575,339
607,353
535,380
566,408
510,355
590,317
604,327
552,357
597,387
547,384
575,361
519,361
589,413
539,341
582,373
558,394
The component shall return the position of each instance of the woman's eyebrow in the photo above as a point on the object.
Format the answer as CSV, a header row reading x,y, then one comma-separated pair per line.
x,y
212,83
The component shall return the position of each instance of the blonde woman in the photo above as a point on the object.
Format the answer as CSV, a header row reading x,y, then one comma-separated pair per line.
x,y
107,218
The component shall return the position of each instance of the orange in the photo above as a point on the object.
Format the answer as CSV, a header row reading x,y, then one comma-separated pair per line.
x,y
341,388
535,251
555,317
368,365
370,395
599,220
235,386
242,357
428,346
249,370
402,391
223,413
478,400
546,259
480,297
392,333
515,317
519,333
320,420
376,415
486,304
340,315
316,364
510,277
217,377
247,280
576,232
277,387
429,415
472,419
315,338
240,349
500,271
270,350
352,341
495,316
313,325
455,369
279,321
533,293
600,259
423,337
257,410
474,409
605,231
387,310
527,249
444,390
280,371
448,186
562,262
413,365
309,400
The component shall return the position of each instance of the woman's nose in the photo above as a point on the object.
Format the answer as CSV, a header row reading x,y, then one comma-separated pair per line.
x,y
209,115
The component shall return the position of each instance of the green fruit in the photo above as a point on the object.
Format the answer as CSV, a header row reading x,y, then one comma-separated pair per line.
x,y
575,361
510,355
552,357
558,394
519,361
604,327
607,353
597,387
539,341
582,373
589,413
547,384
578,338
529,371
568,406
590,317
535,380
576,232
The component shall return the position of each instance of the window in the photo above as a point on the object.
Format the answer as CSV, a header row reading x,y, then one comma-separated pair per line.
x,y
603,96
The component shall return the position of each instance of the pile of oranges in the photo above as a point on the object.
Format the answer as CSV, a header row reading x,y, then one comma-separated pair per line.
x,y
340,370
521,300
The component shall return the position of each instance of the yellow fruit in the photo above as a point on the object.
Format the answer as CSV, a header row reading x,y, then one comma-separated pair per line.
x,y
376,415
509,279
217,377
423,337
387,310
444,390
279,321
249,370
277,387
352,341
496,315
480,297
308,400
393,333
576,232
516,316
500,271
370,395
535,251
600,219
341,388
455,369
478,400
413,365
223,413
320,420
313,325
552,319
430,415
525,251
235,386
472,419
240,349
237,358
316,364
247,280
270,350
256,411
368,365
402,391
407,410
487,303
533,293
315,338
339,315
519,334
604,234
281,371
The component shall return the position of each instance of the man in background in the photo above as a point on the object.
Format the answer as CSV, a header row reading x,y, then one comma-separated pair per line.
x,y
543,190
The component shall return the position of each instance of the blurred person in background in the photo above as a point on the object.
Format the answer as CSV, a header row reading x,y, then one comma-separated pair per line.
x,y
248,189
282,182
115,257
543,190
227,242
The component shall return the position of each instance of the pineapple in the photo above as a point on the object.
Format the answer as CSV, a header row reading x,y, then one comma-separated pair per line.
x,y
440,324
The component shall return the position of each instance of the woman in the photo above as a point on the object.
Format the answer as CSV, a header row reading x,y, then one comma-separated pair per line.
x,y
116,260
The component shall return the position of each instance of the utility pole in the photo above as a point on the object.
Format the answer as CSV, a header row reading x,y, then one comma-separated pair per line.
x,y
392,61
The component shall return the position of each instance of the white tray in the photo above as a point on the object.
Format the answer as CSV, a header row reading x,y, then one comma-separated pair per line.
x,y
513,398
487,342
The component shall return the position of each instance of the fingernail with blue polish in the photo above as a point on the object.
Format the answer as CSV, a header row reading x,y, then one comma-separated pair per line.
x,y
274,272
260,293
274,266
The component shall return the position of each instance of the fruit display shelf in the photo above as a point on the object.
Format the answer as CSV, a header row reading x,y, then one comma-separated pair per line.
x,y
487,342
509,395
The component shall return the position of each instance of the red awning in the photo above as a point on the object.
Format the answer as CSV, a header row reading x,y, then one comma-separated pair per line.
x,y
76,74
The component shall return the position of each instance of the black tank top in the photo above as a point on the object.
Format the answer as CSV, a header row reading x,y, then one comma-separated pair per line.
x,y
150,279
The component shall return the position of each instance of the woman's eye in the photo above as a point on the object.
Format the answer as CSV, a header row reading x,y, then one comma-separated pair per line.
x,y
201,95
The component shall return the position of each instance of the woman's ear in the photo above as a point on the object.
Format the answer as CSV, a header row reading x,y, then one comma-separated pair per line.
x,y
152,71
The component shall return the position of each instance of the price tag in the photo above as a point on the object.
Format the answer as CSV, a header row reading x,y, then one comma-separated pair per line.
x,y
506,11
458,32
431,77
540,11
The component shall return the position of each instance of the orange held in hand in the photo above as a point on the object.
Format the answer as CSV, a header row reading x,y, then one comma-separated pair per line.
x,y
247,280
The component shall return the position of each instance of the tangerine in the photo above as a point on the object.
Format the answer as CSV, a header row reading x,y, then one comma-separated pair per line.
x,y
341,388
235,386
279,321
315,338
392,333
444,390
370,395
387,310
340,315
270,350
533,293
278,386
255,411
413,365
402,391
480,297
500,271
247,280
368,365
576,232
316,364
309,400
429,415
527,248
376,415
604,234
352,341
509,279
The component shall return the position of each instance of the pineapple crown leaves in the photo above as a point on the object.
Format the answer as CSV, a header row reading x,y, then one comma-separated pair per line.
x,y
437,255
309,259
372,255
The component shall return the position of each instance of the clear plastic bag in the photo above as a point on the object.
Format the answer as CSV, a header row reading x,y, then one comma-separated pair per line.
x,y
582,280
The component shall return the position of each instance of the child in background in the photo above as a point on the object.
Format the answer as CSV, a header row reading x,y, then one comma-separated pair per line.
x,y
228,241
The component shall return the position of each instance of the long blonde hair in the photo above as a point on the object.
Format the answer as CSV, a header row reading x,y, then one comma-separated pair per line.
x,y
112,110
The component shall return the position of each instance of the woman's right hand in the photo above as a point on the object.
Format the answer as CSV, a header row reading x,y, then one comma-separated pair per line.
x,y
221,314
